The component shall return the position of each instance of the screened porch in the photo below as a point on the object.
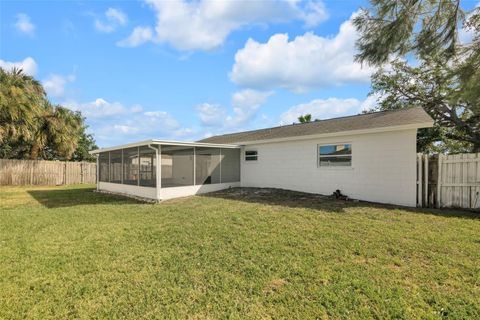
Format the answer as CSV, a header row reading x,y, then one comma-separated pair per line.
x,y
185,168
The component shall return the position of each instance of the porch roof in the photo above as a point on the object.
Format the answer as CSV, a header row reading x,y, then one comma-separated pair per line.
x,y
165,142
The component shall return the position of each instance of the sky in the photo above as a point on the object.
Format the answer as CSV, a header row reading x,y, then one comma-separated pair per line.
x,y
185,70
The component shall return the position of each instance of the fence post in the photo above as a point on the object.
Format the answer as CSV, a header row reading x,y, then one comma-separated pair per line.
x,y
419,180
97,170
31,172
439,181
81,172
425,175
65,173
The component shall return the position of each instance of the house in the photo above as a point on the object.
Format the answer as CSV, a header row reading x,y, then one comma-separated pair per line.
x,y
369,157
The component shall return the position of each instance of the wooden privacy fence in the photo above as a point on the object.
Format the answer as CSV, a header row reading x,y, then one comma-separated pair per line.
x,y
448,181
41,172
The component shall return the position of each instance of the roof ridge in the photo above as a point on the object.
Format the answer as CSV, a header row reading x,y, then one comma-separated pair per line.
x,y
309,123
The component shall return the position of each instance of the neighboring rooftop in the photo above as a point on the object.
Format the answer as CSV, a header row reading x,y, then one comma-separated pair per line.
x,y
382,119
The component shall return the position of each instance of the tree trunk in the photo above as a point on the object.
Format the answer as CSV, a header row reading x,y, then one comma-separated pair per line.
x,y
476,147
476,142
34,151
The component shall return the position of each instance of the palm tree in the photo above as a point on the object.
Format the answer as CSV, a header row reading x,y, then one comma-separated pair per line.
x,y
21,102
30,123
58,128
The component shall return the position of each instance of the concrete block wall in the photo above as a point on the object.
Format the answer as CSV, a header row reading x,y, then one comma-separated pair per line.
x,y
383,167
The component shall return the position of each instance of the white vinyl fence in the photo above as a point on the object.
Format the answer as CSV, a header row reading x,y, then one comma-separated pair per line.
x,y
450,181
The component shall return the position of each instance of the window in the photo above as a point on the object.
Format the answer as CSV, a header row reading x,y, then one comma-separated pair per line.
x,y
251,155
103,166
207,165
148,167
335,155
116,166
177,166
130,166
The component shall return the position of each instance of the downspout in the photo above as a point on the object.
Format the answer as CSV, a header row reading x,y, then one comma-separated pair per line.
x,y
158,173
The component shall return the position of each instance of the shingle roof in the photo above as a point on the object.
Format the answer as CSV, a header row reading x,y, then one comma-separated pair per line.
x,y
410,116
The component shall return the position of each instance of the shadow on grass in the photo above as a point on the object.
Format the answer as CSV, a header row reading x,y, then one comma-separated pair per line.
x,y
286,198
294,199
58,198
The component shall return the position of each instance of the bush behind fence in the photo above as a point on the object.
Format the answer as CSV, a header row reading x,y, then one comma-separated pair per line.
x,y
41,172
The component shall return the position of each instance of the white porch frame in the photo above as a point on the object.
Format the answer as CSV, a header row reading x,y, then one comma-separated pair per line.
x,y
163,193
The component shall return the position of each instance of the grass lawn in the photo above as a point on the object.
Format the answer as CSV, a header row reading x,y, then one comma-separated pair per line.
x,y
71,253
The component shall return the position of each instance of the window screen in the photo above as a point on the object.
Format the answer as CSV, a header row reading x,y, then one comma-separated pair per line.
x,y
251,155
116,166
335,155
177,166
230,165
207,165
103,167
148,167
130,166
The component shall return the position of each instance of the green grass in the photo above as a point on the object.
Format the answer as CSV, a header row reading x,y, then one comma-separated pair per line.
x,y
71,253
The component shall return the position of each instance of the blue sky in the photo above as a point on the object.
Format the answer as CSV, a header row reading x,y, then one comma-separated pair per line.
x,y
185,70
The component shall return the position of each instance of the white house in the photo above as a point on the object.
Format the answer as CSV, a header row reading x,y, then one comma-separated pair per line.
x,y
368,157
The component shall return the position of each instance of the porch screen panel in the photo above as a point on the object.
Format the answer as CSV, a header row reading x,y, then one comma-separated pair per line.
x,y
116,166
148,167
230,165
130,166
103,167
177,166
207,165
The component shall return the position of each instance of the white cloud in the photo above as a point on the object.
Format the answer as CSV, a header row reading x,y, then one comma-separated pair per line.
x,y
102,27
28,65
156,119
205,25
138,36
136,108
117,16
370,102
306,62
315,13
327,108
245,105
114,123
113,19
465,35
211,114
24,24
125,129
55,84
182,132
99,108
140,126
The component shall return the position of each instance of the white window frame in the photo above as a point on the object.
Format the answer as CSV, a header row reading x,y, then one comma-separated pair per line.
x,y
334,144
251,160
